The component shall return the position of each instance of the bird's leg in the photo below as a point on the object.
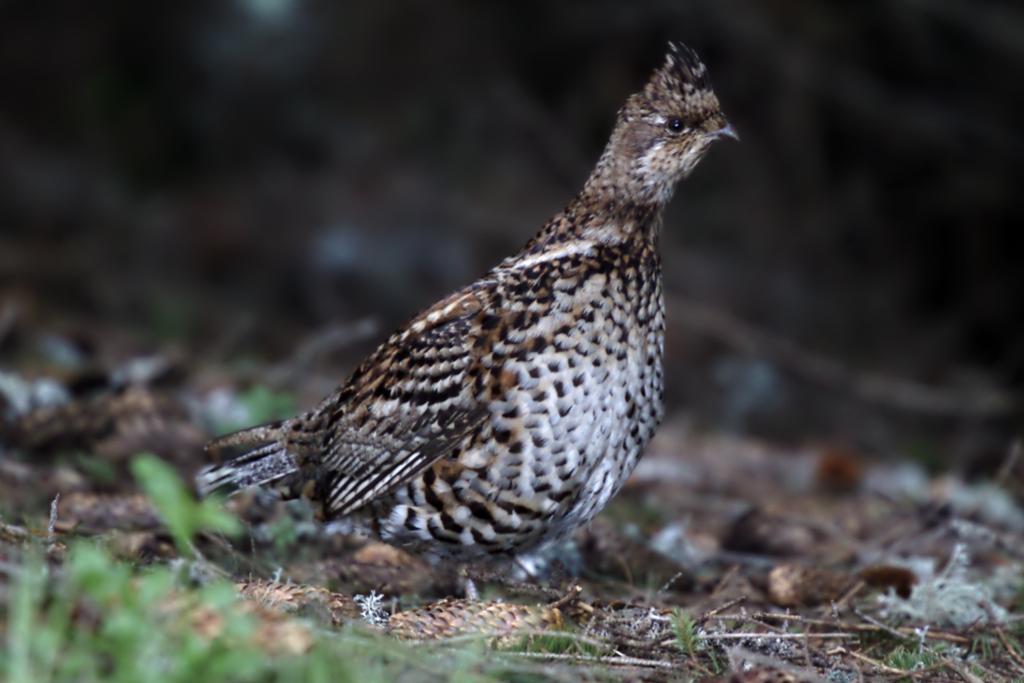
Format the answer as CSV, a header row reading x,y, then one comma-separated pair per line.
x,y
527,569
469,590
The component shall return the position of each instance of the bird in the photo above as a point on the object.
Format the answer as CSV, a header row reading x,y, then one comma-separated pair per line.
x,y
509,413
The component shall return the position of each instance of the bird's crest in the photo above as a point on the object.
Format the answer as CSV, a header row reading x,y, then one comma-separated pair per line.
x,y
682,74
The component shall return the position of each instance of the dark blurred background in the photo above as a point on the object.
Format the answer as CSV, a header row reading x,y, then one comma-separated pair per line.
x,y
230,178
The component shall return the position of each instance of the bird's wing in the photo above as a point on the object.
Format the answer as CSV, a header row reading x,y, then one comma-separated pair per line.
x,y
409,404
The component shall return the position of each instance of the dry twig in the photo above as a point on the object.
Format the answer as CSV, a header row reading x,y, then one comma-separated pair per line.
x,y
777,636
1018,660
904,632
721,608
1010,463
615,660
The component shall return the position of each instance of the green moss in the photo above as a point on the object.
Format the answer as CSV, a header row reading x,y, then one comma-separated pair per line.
x,y
911,658
687,637
567,641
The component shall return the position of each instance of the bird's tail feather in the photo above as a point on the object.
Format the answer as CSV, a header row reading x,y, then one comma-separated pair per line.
x,y
264,458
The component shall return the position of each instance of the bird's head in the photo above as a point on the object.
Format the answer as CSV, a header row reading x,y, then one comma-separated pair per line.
x,y
663,131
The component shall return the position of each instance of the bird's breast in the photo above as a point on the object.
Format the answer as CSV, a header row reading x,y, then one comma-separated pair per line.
x,y
579,405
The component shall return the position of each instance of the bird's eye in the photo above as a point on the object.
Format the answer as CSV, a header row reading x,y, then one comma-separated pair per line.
x,y
675,125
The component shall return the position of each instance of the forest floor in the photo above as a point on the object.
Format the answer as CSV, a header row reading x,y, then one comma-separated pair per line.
x,y
723,559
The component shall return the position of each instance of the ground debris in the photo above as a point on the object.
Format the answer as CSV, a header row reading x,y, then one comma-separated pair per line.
x,y
606,551
338,608
274,632
724,559
764,674
759,531
451,617
95,513
379,566
114,425
14,534
793,585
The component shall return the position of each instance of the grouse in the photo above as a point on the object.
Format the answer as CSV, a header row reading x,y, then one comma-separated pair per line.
x,y
511,412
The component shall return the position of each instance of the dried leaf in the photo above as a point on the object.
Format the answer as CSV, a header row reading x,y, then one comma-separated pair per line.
x,y
379,566
839,469
900,579
791,585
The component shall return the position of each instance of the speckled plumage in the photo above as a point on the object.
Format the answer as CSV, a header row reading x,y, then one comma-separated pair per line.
x,y
509,413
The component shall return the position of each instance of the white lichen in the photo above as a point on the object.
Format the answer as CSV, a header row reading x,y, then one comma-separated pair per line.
x,y
371,609
840,676
903,480
984,502
19,396
947,598
673,541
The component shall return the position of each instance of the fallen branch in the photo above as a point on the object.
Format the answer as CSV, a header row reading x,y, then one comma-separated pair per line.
x,y
777,636
963,672
884,627
721,608
903,632
616,660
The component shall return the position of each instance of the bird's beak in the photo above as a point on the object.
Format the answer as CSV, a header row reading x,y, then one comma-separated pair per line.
x,y
726,131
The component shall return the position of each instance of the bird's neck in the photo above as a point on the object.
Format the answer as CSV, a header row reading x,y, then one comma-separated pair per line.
x,y
602,218
620,204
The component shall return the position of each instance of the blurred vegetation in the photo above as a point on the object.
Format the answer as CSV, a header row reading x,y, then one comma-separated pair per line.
x,y
233,176
97,618
174,502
